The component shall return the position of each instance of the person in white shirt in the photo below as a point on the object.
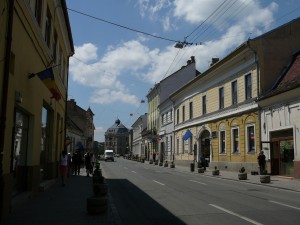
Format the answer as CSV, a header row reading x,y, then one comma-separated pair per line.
x,y
63,166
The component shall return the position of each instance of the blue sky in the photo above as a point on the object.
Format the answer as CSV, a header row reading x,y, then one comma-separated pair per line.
x,y
113,68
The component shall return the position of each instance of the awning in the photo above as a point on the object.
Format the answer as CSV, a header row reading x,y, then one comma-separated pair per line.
x,y
187,135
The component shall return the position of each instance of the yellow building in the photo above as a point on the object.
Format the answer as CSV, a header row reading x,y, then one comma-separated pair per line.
x,y
219,108
35,51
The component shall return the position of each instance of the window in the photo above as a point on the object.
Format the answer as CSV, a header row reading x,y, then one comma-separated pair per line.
x,y
183,113
162,119
191,110
235,140
234,93
171,145
191,145
177,146
250,138
20,141
48,28
222,142
55,47
204,104
182,150
177,115
248,86
38,11
221,98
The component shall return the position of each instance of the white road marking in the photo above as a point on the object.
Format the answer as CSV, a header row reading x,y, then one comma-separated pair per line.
x,y
198,182
290,206
133,171
237,215
158,182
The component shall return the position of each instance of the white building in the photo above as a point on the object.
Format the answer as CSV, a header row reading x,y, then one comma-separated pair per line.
x,y
280,122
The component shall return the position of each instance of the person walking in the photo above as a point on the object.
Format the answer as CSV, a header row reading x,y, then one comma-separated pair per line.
x,y
88,164
261,162
77,162
63,167
69,165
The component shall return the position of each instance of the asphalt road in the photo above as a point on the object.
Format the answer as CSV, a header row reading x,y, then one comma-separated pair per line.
x,y
152,195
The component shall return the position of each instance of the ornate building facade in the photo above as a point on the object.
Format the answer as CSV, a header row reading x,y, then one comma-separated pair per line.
x,y
117,138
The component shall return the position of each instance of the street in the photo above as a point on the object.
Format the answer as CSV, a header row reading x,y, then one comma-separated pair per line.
x,y
145,194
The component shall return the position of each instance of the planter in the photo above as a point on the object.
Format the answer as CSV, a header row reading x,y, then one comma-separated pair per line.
x,y
100,189
215,172
96,205
242,176
254,173
265,179
156,163
172,165
166,165
201,170
151,161
160,164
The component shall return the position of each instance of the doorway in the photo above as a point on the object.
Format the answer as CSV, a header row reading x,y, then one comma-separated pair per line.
x,y
205,146
282,153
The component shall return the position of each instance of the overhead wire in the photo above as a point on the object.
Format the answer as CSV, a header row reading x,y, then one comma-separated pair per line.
x,y
210,17
124,27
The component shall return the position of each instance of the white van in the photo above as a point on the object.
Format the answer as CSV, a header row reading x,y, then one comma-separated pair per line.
x,y
109,155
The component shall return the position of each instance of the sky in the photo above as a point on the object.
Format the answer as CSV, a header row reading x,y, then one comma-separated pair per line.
x,y
124,47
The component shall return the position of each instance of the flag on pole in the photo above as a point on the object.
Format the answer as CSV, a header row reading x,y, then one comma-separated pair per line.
x,y
187,135
47,77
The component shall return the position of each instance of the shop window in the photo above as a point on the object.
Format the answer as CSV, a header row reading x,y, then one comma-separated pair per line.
x,y
222,141
235,140
250,138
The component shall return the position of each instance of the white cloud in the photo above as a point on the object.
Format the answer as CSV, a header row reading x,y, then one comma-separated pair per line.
x,y
135,60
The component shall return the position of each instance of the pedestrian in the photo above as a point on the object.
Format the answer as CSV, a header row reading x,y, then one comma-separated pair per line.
x,y
203,162
261,162
88,164
63,166
69,164
77,162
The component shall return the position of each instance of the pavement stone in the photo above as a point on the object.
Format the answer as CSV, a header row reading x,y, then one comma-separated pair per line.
x,y
58,205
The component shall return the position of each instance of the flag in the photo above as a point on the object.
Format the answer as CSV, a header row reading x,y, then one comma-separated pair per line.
x,y
187,135
47,77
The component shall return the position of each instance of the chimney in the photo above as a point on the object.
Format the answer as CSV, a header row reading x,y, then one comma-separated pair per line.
x,y
214,61
193,59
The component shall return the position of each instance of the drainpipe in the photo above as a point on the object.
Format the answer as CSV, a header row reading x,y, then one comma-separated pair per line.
x,y
4,97
258,88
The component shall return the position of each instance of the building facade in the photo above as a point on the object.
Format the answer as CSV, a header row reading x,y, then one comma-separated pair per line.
x,y
38,43
158,94
217,114
280,122
138,143
166,130
117,138
80,128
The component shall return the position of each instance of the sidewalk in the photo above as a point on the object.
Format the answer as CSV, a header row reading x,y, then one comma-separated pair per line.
x,y
58,205
280,182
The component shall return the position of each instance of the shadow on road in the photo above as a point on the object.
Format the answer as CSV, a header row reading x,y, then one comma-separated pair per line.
x,y
135,207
